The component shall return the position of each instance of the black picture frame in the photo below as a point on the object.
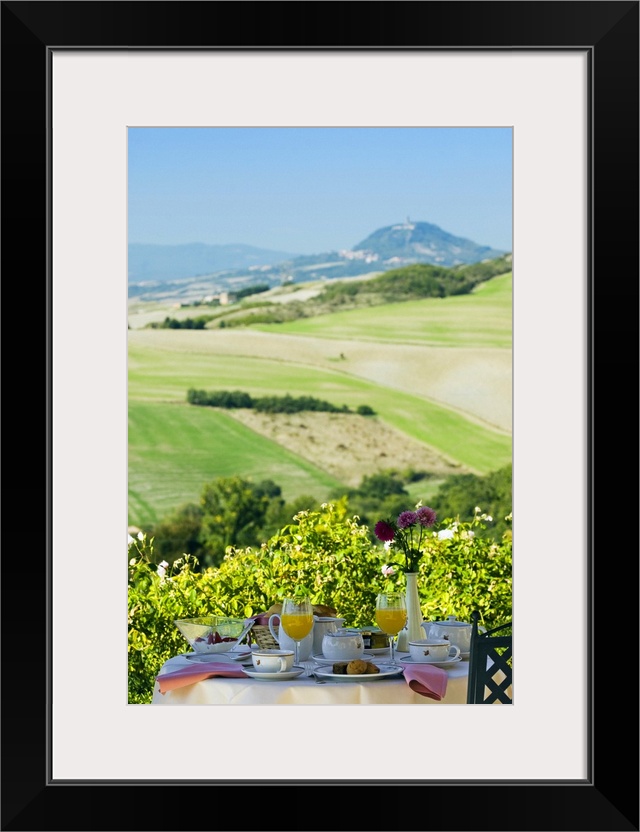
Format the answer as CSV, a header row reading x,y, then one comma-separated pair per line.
x,y
608,798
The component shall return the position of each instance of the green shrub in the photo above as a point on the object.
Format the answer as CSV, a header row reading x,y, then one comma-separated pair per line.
x,y
327,552
268,404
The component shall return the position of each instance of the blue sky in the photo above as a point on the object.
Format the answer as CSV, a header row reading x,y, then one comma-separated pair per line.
x,y
316,189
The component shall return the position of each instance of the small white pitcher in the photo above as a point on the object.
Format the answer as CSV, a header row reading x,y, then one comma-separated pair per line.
x,y
287,643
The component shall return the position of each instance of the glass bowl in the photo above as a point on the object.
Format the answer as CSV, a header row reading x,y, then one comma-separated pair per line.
x,y
213,633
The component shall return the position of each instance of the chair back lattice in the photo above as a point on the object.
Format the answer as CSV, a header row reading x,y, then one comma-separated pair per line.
x,y
490,665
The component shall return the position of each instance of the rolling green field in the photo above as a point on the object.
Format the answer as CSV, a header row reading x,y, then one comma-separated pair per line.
x,y
480,319
433,370
175,448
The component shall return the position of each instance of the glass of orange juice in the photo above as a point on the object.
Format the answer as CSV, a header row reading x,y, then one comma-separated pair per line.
x,y
391,616
296,619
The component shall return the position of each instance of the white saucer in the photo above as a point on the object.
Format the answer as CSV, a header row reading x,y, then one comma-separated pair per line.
x,y
320,659
379,651
281,676
445,663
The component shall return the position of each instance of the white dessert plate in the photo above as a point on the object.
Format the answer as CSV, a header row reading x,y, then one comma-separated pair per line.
x,y
445,663
379,651
464,656
320,659
386,672
231,656
281,676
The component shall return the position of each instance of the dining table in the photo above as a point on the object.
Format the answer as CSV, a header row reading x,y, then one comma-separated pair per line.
x,y
387,688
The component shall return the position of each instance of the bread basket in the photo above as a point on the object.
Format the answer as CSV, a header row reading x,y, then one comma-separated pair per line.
x,y
261,636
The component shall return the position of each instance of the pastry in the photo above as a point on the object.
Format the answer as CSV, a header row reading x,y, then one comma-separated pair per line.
x,y
357,667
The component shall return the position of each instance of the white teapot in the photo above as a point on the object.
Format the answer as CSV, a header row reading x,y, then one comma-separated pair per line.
x,y
343,645
322,625
457,632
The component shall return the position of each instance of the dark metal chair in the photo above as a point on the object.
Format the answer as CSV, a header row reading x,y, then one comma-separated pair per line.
x,y
490,665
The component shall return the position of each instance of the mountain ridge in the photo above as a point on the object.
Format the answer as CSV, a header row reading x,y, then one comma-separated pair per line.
x,y
163,262
389,247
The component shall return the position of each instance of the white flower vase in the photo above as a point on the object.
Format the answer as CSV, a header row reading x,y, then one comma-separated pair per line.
x,y
414,631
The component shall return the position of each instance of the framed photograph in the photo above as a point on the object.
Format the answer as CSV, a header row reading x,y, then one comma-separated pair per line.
x,y
564,77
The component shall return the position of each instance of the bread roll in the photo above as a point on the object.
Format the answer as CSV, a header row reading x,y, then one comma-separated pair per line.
x,y
323,611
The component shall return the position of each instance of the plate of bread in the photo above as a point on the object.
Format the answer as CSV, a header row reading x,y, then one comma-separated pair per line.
x,y
358,670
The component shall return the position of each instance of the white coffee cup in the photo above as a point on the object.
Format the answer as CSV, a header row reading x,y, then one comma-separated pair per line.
x,y
430,650
271,660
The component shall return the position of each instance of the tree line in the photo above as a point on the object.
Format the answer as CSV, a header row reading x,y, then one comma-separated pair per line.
x,y
234,511
230,399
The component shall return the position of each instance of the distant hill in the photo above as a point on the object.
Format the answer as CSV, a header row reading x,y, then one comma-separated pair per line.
x,y
389,248
196,270
161,263
422,242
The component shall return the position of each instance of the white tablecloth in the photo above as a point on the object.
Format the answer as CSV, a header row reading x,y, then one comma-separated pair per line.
x,y
304,690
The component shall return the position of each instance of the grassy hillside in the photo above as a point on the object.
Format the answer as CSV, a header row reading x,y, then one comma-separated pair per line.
x,y
436,371
175,448
479,319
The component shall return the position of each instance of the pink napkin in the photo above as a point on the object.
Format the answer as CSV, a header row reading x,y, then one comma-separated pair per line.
x,y
196,673
427,681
